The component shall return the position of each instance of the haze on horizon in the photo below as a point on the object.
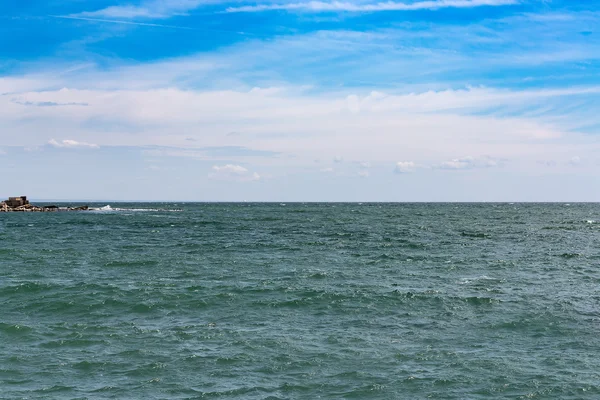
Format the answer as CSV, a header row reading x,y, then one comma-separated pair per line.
x,y
269,100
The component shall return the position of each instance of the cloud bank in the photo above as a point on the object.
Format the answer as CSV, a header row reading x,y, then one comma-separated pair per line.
x,y
281,127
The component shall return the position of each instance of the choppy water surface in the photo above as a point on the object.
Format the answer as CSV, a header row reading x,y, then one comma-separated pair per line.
x,y
302,301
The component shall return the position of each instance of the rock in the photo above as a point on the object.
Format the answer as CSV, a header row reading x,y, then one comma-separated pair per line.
x,y
81,208
21,204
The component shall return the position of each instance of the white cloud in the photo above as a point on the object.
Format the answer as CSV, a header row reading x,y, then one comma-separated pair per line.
x,y
575,161
332,6
470,162
403,167
328,170
365,165
72,144
2,152
363,174
232,169
338,159
233,172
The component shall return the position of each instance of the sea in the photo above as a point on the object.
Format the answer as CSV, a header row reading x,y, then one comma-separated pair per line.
x,y
301,301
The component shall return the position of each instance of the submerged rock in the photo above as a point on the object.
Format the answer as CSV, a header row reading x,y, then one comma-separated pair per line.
x,y
81,208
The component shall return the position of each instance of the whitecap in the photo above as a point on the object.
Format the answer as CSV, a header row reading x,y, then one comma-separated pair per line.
x,y
104,209
108,208
482,278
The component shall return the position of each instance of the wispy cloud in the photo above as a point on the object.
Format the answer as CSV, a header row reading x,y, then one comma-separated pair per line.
x,y
48,103
321,6
114,21
208,152
470,162
154,9
507,52
122,12
71,144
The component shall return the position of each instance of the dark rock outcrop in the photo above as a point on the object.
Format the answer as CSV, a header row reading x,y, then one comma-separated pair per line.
x,y
21,204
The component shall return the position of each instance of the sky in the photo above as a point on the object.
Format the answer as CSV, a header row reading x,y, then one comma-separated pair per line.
x,y
301,100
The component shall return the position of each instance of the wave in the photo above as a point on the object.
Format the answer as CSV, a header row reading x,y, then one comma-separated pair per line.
x,y
105,208
479,280
108,208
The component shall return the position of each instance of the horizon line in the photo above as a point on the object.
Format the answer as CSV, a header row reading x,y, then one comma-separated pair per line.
x,y
321,201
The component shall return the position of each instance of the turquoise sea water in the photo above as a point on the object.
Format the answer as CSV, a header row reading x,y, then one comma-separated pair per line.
x,y
302,301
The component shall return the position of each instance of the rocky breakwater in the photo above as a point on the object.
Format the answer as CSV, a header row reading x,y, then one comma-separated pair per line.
x,y
21,204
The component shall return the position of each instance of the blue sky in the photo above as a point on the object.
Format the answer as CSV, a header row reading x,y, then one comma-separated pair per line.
x,y
422,100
